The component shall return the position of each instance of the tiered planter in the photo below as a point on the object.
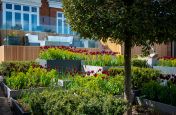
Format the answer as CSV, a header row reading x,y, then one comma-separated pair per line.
x,y
89,68
157,105
61,65
14,93
17,110
165,69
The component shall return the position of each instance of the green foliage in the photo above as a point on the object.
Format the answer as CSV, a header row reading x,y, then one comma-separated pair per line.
x,y
6,68
139,75
53,53
74,102
104,60
140,63
137,20
156,92
100,82
34,77
167,62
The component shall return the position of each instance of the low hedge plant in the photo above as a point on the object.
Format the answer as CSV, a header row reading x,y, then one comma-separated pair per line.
x,y
139,75
167,62
99,82
59,54
160,93
74,102
140,63
104,60
34,77
6,68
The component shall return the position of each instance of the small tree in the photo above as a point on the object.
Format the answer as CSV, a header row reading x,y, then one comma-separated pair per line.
x,y
132,22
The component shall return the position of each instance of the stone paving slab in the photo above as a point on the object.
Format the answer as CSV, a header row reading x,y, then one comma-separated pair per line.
x,y
4,105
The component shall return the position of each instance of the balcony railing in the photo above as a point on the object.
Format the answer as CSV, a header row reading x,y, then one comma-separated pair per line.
x,y
55,3
48,26
26,2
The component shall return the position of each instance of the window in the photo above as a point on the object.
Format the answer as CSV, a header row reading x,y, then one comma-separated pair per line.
x,y
17,7
66,28
8,19
8,6
20,16
60,15
26,22
62,26
25,8
59,25
34,22
17,18
34,9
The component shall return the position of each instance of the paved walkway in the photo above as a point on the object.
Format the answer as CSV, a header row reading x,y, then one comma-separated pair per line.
x,y
4,105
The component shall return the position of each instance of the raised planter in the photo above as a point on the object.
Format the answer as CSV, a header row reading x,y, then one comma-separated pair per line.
x,y
89,68
136,93
17,110
165,69
61,65
15,93
157,105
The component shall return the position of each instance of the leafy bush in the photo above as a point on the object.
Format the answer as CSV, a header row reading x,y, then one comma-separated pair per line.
x,y
34,77
104,60
53,53
75,102
6,68
156,92
110,85
140,63
167,62
139,75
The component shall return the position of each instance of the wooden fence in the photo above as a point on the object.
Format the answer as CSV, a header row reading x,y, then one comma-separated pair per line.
x,y
161,49
30,53
23,53
19,53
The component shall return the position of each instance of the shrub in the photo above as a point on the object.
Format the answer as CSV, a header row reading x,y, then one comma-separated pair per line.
x,y
156,92
53,53
101,82
140,63
139,75
167,62
75,102
104,60
6,68
34,77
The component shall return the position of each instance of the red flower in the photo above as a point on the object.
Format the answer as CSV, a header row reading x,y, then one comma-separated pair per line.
x,y
95,75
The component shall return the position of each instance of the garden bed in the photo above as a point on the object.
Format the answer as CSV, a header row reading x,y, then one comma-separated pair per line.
x,y
61,65
165,69
17,110
157,105
14,93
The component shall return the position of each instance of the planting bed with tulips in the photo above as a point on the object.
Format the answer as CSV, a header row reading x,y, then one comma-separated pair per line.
x,y
89,92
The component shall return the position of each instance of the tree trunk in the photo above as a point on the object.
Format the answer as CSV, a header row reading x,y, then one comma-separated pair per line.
x,y
127,57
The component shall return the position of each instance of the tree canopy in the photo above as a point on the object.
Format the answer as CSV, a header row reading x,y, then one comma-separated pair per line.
x,y
132,22
144,20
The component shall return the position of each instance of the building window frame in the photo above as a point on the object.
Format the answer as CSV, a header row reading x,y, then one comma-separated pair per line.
x,y
22,12
60,16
